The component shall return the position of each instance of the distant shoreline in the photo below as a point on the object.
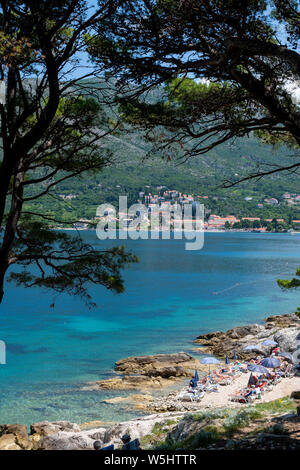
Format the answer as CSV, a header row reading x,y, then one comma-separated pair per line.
x,y
172,231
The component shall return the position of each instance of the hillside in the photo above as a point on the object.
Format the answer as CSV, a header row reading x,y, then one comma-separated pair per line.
x,y
136,169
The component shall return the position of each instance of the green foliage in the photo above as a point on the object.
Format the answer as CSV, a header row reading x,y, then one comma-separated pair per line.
x,y
208,415
280,405
230,66
157,435
277,428
297,313
133,170
240,419
204,438
288,284
224,423
51,128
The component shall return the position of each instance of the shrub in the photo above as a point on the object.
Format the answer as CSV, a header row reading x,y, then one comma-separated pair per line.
x,y
208,415
277,428
276,406
240,419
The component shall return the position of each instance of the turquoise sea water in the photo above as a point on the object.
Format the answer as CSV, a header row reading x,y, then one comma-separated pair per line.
x,y
171,296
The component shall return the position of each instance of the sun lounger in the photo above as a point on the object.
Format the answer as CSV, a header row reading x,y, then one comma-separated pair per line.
x,y
212,388
225,382
190,396
246,396
185,395
288,372
238,398
198,396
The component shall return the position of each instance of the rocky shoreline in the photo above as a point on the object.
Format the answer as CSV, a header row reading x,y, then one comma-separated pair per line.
x,y
284,329
274,427
147,373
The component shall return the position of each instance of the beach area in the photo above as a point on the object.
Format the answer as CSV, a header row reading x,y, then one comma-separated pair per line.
x,y
154,376
221,399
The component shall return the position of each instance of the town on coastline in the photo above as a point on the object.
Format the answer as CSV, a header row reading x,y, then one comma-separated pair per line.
x,y
165,199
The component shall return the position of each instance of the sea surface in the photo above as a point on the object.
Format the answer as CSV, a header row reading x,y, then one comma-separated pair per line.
x,y
172,295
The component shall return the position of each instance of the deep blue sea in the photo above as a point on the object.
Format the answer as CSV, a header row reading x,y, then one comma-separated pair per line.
x,y
171,296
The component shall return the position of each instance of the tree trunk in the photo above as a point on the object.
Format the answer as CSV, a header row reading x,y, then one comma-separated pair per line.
x,y
11,225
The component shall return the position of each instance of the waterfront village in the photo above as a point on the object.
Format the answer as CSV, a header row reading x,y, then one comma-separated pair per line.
x,y
165,199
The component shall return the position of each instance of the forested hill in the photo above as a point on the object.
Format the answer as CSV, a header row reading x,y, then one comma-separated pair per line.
x,y
134,171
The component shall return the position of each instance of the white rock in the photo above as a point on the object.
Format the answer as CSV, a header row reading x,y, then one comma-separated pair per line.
x,y
287,338
84,440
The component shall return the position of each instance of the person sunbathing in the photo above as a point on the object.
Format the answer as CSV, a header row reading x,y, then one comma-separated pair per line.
x,y
255,379
242,367
218,376
245,393
227,370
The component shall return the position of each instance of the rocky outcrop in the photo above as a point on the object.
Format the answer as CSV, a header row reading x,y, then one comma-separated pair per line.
x,y
148,372
8,442
284,329
64,440
84,440
135,382
283,321
185,429
14,437
45,428
286,338
159,365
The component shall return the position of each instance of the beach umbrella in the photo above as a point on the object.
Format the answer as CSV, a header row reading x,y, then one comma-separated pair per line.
x,y
227,361
269,342
210,360
250,347
195,379
234,355
257,368
270,362
286,355
251,380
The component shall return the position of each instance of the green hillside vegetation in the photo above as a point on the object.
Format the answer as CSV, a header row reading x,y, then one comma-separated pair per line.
x,y
137,167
